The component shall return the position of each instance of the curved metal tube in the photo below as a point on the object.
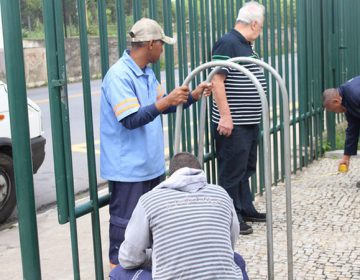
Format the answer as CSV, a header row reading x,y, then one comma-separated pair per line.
x,y
287,156
266,137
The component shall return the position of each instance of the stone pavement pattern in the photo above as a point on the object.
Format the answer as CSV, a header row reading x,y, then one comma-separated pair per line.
x,y
326,226
326,233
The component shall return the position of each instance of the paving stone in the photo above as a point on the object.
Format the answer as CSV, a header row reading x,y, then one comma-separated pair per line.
x,y
326,227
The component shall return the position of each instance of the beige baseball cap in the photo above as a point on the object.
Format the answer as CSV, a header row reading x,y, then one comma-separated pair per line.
x,y
147,29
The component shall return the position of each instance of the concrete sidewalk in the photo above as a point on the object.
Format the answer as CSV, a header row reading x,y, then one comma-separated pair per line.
x,y
326,232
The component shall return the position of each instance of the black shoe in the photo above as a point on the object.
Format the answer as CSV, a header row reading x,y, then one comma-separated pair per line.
x,y
358,184
245,228
256,217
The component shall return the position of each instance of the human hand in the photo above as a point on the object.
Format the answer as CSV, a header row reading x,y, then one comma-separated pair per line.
x,y
345,161
225,126
178,96
203,88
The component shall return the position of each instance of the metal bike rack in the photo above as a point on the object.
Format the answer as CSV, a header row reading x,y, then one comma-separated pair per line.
x,y
287,156
266,137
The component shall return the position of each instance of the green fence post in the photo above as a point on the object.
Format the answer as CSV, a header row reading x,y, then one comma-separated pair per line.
x,y
14,59
56,69
90,146
103,37
121,26
169,65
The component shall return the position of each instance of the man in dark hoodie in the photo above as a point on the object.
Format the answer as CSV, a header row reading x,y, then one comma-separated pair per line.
x,y
346,99
183,229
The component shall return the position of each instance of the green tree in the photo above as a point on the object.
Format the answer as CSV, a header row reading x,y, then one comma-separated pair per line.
x,y
31,13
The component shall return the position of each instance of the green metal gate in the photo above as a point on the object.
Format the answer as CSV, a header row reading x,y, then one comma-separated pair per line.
x,y
313,44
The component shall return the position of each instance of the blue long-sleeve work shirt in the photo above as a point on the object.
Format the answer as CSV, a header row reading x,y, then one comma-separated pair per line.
x,y
350,93
148,113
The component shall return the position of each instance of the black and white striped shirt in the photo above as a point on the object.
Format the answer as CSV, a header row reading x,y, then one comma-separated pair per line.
x,y
242,95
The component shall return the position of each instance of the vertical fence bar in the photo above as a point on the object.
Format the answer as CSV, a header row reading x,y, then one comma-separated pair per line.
x,y
301,50
273,93
95,219
14,59
192,9
286,51
185,128
218,19
55,109
153,15
169,65
104,48
137,5
121,26
279,13
265,55
66,134
214,35
295,100
309,83
209,42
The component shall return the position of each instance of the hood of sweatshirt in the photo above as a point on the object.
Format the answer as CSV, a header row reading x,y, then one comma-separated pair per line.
x,y
185,180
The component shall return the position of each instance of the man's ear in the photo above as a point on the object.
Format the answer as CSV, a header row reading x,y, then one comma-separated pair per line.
x,y
151,44
253,25
338,99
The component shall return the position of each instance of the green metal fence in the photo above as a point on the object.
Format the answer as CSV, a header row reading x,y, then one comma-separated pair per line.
x,y
312,43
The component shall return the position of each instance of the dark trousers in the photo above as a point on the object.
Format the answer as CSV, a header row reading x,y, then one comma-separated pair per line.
x,y
237,156
119,273
124,197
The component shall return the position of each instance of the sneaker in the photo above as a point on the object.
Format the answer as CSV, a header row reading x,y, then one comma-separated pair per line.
x,y
245,228
256,217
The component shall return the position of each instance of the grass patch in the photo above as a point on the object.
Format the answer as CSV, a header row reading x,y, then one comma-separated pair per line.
x,y
339,138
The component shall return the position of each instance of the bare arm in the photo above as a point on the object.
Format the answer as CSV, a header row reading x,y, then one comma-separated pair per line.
x,y
225,126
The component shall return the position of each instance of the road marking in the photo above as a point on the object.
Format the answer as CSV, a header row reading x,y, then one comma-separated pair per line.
x,y
75,95
81,148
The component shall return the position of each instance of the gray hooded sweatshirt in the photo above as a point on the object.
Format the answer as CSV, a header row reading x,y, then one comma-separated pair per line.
x,y
191,227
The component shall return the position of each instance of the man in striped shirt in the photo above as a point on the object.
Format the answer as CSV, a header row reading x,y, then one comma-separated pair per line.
x,y
237,112
190,225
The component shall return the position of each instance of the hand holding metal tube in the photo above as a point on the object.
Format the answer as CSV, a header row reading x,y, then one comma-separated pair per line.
x,y
203,88
178,96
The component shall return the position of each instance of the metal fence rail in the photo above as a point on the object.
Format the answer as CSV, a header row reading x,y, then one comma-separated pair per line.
x,y
310,55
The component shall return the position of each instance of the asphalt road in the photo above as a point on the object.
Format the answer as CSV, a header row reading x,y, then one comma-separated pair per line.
x,y
44,180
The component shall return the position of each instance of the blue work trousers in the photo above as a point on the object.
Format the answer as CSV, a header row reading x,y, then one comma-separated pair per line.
x,y
119,273
123,199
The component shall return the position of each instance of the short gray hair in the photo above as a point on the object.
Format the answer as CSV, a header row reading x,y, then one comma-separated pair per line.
x,y
181,160
251,11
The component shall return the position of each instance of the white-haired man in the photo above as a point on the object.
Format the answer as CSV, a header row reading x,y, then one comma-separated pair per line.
x,y
237,112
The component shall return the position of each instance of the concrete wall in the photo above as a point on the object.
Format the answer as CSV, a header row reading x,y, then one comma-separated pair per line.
x,y
35,59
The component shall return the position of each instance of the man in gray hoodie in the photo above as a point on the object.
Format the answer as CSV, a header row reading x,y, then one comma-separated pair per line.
x,y
183,229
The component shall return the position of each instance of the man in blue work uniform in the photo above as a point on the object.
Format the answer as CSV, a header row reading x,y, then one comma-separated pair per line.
x,y
236,113
131,136
346,99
